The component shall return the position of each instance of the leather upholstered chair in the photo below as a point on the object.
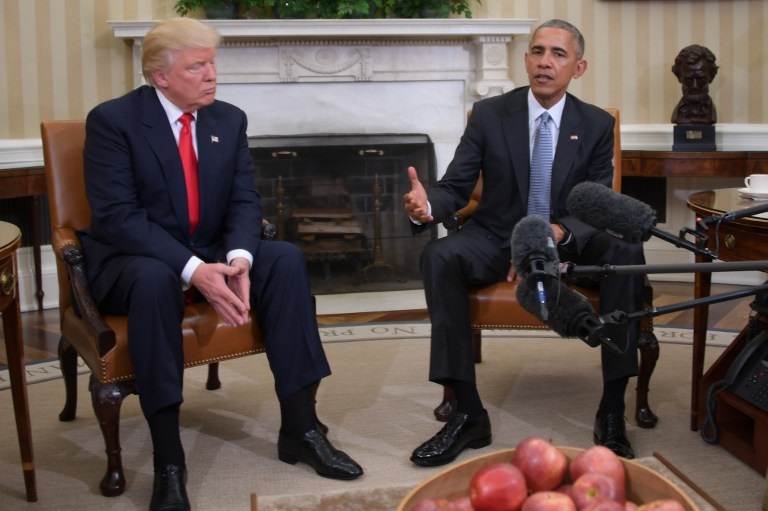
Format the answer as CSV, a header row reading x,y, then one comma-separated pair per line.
x,y
496,307
101,340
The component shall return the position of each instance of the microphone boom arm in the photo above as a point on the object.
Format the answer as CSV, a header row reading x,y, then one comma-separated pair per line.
x,y
570,269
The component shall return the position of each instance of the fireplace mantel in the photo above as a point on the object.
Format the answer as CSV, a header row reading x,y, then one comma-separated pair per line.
x,y
363,76
355,28
363,48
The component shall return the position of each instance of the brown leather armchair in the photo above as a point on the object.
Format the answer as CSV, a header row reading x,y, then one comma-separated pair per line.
x,y
496,307
101,341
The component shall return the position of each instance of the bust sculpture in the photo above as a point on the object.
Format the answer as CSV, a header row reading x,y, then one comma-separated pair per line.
x,y
695,69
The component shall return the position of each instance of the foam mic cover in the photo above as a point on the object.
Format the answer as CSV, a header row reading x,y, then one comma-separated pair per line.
x,y
532,242
604,209
569,314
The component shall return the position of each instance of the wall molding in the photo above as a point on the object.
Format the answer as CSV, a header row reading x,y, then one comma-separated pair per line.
x,y
23,153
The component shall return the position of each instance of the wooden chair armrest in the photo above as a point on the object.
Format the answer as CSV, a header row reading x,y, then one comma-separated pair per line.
x,y
456,221
86,307
268,230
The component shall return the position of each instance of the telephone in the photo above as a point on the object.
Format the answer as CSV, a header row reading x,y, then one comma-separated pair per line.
x,y
748,375
747,378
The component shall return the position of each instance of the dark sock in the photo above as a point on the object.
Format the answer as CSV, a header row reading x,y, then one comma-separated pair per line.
x,y
166,438
613,396
467,399
297,413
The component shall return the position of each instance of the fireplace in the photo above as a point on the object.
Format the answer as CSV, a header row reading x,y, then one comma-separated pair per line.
x,y
339,198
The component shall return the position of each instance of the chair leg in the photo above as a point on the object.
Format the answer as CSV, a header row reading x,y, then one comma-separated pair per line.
x,y
107,400
447,408
649,354
68,366
213,382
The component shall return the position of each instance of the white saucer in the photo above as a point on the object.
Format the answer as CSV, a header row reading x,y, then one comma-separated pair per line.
x,y
753,195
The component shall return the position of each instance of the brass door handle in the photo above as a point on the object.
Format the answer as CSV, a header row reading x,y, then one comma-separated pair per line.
x,y
7,281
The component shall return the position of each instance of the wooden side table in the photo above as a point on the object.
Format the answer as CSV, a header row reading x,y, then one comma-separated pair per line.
x,y
10,239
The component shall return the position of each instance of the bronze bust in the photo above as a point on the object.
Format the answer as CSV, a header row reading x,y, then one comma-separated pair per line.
x,y
695,69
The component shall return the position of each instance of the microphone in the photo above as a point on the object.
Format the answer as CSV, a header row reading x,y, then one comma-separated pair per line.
x,y
601,207
534,255
625,216
571,315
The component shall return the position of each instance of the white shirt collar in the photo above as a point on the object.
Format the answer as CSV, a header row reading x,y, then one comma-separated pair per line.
x,y
172,111
535,110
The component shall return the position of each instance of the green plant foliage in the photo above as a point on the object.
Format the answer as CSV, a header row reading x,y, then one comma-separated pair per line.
x,y
337,9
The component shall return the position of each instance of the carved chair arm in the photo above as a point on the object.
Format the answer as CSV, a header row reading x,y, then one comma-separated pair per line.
x,y
67,248
268,230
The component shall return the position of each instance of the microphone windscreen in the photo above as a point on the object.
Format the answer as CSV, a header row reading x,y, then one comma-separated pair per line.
x,y
563,305
604,209
532,236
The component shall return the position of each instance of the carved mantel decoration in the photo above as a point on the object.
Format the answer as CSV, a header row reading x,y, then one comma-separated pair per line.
x,y
308,76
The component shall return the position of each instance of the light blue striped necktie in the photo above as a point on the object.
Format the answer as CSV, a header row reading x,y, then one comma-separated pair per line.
x,y
541,169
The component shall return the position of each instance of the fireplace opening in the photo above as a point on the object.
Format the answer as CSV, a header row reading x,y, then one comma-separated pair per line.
x,y
340,199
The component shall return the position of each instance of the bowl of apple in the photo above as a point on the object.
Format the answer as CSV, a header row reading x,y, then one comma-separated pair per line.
x,y
539,476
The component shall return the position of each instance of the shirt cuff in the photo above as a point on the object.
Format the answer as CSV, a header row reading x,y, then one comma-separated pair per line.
x,y
239,252
189,269
429,212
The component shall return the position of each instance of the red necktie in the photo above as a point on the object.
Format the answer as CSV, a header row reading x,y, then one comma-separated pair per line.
x,y
189,162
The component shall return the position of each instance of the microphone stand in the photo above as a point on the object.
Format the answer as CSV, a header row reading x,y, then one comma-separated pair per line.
x,y
702,224
620,317
571,269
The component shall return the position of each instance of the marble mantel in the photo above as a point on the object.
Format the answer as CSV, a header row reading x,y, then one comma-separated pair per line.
x,y
488,38
357,76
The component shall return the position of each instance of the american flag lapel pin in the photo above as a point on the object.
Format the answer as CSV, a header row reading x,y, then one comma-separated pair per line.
x,y
574,137
214,139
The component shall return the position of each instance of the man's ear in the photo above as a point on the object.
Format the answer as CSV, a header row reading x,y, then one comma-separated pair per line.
x,y
159,78
581,68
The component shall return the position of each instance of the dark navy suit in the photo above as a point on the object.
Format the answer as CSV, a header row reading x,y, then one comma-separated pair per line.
x,y
139,241
496,140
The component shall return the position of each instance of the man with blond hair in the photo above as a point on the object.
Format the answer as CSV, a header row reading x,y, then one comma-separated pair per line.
x,y
176,216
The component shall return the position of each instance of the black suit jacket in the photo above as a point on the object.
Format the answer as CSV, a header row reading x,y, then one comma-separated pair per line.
x,y
496,141
135,185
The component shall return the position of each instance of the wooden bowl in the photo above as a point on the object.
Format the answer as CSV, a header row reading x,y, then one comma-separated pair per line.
x,y
643,484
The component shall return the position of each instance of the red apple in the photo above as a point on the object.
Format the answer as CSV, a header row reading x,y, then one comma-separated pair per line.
x,y
498,487
431,505
603,505
542,464
461,504
601,460
594,486
548,501
661,505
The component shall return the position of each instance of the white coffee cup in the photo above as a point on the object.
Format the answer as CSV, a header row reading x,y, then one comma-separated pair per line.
x,y
757,183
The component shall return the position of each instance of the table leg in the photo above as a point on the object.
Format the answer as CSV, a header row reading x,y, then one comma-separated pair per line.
x,y
702,288
14,347
35,235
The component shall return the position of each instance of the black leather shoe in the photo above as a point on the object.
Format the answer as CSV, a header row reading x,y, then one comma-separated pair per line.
x,y
610,432
169,492
314,449
459,433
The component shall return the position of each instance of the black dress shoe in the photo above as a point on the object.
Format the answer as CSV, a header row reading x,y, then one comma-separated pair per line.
x,y
169,492
459,433
314,449
610,432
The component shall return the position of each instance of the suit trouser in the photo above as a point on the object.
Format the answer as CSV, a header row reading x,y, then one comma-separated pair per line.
x,y
149,292
474,257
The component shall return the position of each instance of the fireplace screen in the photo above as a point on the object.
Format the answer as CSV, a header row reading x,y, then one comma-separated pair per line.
x,y
340,199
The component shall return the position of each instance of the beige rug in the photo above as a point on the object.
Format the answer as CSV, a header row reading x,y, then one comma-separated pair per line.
x,y
379,407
